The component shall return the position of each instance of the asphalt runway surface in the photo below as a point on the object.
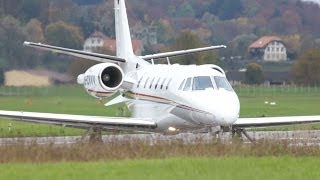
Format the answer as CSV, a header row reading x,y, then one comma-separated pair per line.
x,y
303,138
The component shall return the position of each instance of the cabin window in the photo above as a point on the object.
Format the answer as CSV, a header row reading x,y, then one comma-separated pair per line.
x,y
139,82
145,84
168,83
187,85
201,83
151,83
222,83
181,85
164,80
156,86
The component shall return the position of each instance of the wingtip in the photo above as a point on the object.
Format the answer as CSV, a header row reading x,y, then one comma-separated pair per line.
x,y
26,43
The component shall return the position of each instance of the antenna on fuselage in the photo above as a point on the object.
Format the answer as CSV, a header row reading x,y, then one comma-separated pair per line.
x,y
168,60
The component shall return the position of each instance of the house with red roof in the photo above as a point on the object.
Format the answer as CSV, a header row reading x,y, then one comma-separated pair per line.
x,y
268,48
99,40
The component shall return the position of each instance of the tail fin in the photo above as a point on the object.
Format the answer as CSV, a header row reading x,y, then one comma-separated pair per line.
x,y
124,45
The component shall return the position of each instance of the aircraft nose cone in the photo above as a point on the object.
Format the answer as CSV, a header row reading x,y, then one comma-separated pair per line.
x,y
228,110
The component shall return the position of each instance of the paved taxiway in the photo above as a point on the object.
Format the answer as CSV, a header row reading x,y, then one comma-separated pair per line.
x,y
295,137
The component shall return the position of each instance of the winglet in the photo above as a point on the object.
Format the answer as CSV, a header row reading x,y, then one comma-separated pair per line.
x,y
26,43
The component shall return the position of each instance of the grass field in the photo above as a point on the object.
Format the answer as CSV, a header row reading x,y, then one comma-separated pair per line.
x,y
173,168
74,100
134,160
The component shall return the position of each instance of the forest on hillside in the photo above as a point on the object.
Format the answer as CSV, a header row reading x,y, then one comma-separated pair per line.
x,y
235,23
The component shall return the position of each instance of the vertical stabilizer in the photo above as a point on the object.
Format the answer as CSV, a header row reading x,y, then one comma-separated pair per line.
x,y
124,45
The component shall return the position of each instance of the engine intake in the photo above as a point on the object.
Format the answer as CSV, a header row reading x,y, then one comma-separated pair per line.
x,y
111,77
102,80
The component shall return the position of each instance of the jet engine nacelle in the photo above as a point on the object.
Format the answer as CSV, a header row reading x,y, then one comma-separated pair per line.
x,y
102,80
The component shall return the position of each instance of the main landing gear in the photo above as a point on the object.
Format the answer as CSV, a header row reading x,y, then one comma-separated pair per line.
x,y
237,133
95,135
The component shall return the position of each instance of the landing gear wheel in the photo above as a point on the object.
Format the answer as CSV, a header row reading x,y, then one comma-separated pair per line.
x,y
95,135
237,134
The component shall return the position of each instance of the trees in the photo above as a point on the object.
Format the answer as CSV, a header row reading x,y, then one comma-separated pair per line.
x,y
227,9
34,33
306,69
188,40
65,35
254,74
11,39
1,76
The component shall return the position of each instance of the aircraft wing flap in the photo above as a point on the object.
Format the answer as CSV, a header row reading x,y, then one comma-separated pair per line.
x,y
275,121
77,53
78,120
181,52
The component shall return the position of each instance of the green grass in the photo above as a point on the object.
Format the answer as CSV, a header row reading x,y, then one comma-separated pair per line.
x,y
60,99
173,168
74,100
285,106
168,161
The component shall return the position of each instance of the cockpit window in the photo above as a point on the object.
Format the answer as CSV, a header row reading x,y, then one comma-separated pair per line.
x,y
222,83
181,85
201,83
187,85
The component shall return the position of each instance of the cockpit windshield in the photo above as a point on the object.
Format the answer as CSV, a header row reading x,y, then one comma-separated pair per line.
x,y
201,83
222,83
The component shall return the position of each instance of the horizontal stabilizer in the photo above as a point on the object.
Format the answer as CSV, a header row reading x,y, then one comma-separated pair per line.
x,y
77,53
181,52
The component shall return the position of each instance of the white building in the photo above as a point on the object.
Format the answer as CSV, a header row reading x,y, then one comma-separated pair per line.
x,y
95,41
268,48
99,40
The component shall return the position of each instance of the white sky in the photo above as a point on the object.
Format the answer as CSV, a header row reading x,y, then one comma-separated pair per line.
x,y
317,1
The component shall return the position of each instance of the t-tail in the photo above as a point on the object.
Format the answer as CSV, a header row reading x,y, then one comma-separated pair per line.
x,y
123,38
124,45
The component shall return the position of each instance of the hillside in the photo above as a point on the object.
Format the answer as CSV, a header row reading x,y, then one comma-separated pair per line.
x,y
235,23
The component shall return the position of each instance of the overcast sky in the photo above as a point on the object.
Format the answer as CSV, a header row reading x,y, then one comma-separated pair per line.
x,y
318,1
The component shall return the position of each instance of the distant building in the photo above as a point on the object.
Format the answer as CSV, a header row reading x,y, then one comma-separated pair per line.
x,y
268,48
94,41
270,78
99,40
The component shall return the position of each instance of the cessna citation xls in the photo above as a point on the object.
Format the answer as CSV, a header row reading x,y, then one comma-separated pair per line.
x,y
163,98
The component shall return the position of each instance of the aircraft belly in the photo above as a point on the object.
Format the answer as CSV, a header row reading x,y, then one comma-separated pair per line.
x,y
199,118
160,113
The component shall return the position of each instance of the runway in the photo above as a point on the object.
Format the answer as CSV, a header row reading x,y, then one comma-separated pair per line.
x,y
304,138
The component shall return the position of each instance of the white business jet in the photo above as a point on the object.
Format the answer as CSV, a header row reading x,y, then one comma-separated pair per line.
x,y
162,98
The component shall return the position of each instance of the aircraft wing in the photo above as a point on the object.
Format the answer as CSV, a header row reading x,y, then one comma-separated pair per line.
x,y
181,52
275,121
80,121
77,53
